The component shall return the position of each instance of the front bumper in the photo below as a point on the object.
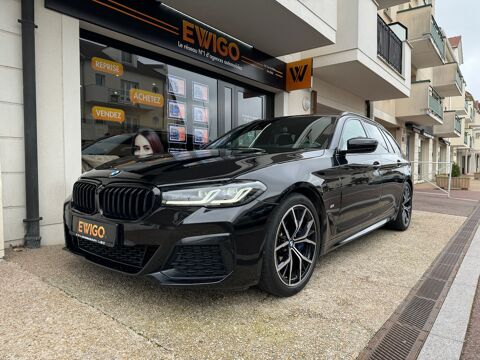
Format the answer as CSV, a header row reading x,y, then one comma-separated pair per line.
x,y
183,246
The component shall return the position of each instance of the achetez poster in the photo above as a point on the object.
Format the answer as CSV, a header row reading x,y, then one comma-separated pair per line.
x,y
177,110
177,133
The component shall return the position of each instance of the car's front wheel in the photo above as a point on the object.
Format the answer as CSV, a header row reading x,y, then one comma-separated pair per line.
x,y
291,248
404,215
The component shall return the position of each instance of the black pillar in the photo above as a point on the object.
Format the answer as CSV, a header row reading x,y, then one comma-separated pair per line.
x,y
32,222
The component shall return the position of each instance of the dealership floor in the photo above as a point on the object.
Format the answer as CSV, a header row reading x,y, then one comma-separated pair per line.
x,y
57,305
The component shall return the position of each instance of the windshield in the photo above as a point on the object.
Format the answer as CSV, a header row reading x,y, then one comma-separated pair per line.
x,y
109,145
279,134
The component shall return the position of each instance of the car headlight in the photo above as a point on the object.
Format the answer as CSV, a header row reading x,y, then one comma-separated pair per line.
x,y
233,194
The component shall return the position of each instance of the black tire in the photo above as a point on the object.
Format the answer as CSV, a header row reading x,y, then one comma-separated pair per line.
x,y
300,243
404,215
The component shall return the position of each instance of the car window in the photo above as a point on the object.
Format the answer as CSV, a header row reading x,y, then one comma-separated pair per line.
x,y
246,139
374,133
281,134
352,129
392,143
318,135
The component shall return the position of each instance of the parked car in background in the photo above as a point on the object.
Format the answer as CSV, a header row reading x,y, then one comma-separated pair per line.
x,y
258,206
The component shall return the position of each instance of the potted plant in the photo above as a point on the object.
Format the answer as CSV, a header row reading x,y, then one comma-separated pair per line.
x,y
457,182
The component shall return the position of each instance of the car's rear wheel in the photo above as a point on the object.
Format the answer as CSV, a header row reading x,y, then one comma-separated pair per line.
x,y
404,215
291,248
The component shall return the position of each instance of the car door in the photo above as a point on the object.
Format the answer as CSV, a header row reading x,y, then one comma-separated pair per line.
x,y
360,185
395,175
386,164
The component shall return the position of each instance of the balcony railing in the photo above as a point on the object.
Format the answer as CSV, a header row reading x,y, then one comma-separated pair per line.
x,y
458,124
118,96
438,38
459,79
389,46
435,103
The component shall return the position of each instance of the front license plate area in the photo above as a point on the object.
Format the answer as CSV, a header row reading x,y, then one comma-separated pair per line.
x,y
95,231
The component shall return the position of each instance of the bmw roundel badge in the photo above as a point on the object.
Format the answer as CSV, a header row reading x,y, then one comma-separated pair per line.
x,y
114,173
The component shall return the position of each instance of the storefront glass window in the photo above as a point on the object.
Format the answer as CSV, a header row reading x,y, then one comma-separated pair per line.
x,y
135,105
250,106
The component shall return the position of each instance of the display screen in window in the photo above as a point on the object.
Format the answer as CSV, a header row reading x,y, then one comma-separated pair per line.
x,y
137,106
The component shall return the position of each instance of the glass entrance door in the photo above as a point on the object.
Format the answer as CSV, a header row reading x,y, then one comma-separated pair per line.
x,y
238,105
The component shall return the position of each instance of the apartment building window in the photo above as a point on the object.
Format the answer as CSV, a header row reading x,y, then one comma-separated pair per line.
x,y
99,79
127,57
125,86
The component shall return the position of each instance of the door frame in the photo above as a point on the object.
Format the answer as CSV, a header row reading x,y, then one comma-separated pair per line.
x,y
223,127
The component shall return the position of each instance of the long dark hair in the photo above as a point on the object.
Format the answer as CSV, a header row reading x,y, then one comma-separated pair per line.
x,y
152,138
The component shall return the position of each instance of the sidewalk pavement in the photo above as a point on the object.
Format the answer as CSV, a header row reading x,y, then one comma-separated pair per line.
x,y
456,331
41,321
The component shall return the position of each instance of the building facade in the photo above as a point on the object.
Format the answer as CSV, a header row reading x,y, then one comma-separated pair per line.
x,y
190,71
432,125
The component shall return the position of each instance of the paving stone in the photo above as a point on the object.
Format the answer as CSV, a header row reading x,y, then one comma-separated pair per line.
x,y
452,320
439,348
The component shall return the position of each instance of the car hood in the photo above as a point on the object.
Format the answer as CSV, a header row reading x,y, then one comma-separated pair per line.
x,y
191,166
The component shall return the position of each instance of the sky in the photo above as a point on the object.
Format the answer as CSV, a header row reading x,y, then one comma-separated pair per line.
x,y
461,17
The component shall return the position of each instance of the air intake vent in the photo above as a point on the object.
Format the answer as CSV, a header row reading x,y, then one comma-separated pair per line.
x,y
196,261
126,202
83,197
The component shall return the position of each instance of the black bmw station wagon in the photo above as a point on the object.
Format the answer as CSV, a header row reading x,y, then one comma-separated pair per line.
x,y
258,206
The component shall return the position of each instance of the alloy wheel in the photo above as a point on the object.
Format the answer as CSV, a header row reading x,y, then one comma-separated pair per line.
x,y
406,205
295,246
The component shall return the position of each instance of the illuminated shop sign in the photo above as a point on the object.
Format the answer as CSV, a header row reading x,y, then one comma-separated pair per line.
x,y
150,21
145,97
299,74
106,66
108,114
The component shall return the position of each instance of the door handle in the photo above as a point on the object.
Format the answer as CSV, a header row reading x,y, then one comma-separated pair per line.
x,y
376,165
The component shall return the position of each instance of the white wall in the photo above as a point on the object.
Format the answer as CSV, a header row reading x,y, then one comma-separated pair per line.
x,y
2,243
58,113
337,98
58,117
321,14
11,115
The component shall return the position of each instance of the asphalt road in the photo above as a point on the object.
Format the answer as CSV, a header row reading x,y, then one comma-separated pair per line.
x,y
56,305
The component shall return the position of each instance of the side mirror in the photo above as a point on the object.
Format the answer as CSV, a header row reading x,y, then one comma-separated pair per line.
x,y
361,145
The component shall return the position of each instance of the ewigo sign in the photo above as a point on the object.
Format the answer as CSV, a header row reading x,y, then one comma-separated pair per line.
x,y
150,21
210,41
